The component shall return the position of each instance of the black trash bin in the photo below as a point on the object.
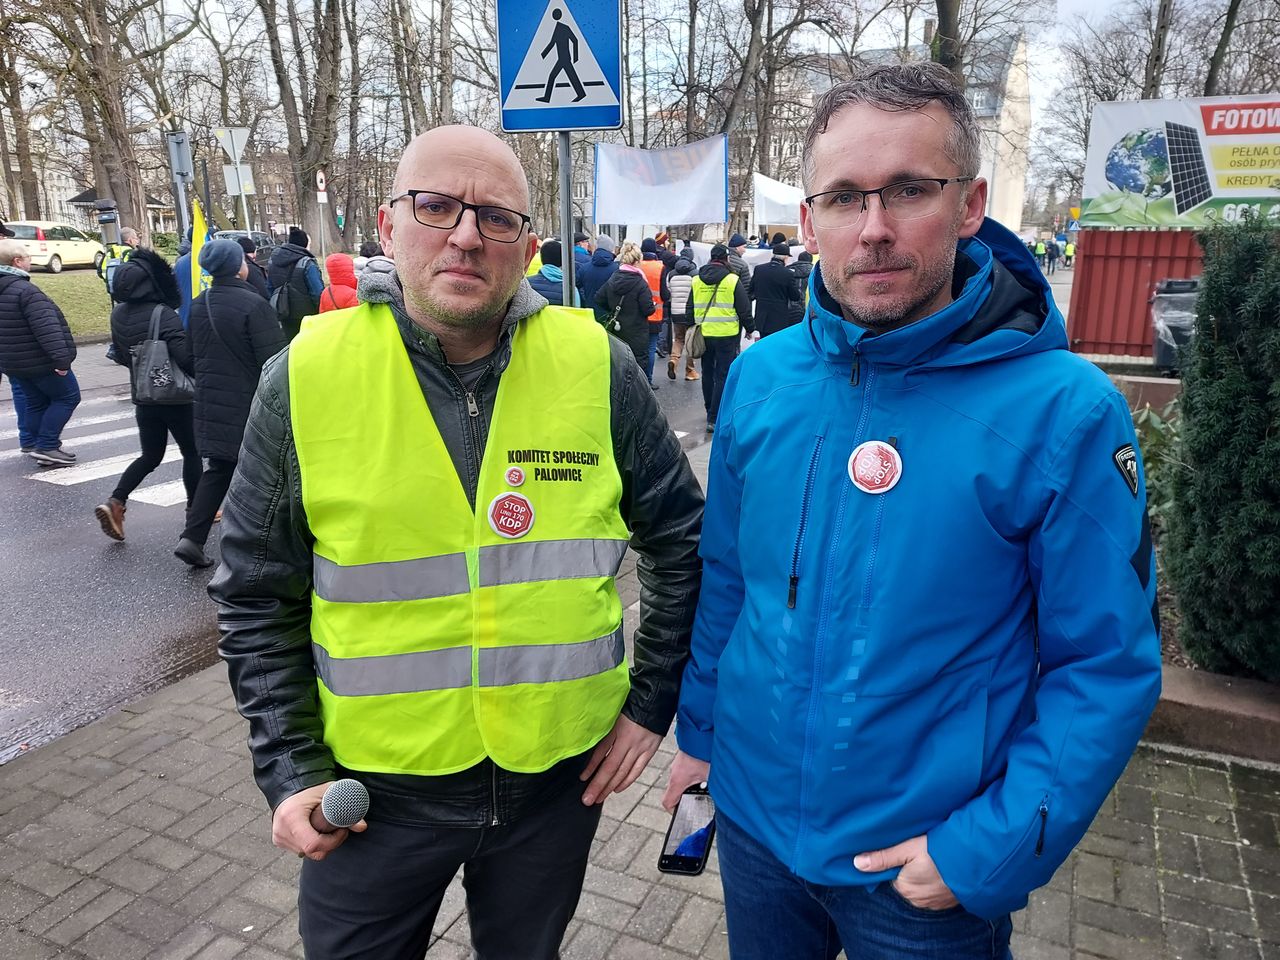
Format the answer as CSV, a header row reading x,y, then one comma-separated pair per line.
x,y
1173,317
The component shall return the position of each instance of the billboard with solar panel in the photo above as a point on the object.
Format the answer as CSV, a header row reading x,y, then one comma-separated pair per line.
x,y
1182,163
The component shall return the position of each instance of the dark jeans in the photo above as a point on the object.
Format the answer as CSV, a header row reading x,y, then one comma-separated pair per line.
x,y
156,422
376,897
774,915
50,400
25,437
715,368
208,499
650,353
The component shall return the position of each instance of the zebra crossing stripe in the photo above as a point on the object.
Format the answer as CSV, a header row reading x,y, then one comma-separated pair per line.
x,y
10,416
94,469
168,494
81,422
76,443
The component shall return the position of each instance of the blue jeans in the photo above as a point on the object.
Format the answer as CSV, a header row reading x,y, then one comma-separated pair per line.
x,y
652,352
26,438
775,915
50,400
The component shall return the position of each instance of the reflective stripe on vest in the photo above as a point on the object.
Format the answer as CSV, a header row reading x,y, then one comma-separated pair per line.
x,y
445,576
437,641
451,668
713,306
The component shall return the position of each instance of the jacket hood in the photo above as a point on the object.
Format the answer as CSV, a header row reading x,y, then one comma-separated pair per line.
x,y
713,272
1002,308
145,278
601,257
341,270
684,267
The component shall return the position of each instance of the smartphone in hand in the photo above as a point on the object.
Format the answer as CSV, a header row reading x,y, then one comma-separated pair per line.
x,y
693,826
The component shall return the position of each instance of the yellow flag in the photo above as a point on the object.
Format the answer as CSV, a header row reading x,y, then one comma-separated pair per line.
x,y
199,233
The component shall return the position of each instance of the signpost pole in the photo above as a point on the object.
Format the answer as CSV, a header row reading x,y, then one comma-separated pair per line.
x,y
566,217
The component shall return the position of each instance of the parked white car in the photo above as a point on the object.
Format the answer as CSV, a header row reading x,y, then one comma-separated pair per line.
x,y
55,245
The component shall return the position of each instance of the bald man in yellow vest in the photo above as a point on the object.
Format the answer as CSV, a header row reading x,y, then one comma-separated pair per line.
x,y
417,589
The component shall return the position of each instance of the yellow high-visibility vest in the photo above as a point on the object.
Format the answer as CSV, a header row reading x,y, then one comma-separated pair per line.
x,y
713,306
443,635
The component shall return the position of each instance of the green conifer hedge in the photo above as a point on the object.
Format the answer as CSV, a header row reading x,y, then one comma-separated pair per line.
x,y
1224,537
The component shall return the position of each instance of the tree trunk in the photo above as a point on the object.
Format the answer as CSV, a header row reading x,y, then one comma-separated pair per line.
x,y
413,69
644,80
1154,74
626,70
397,61
947,49
354,195
690,107
446,61
1220,51
24,195
754,9
310,151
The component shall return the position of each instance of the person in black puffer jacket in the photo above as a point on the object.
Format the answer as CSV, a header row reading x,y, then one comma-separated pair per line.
x,y
143,284
801,268
233,333
36,351
628,289
294,265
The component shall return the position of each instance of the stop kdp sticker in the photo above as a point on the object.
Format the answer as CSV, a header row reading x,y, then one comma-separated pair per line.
x,y
511,515
875,467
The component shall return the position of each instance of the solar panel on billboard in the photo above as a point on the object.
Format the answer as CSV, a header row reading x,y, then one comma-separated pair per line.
x,y
1186,163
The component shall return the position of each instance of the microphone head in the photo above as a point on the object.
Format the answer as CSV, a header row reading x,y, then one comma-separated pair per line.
x,y
345,802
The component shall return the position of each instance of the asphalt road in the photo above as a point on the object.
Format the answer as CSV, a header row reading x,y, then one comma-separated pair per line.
x,y
87,624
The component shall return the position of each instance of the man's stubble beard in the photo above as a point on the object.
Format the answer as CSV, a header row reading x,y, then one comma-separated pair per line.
x,y
933,278
476,318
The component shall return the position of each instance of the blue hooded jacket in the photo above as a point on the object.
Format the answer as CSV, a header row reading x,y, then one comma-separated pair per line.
x,y
971,655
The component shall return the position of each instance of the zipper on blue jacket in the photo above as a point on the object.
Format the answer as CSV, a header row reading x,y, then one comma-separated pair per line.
x,y
1044,822
856,374
876,528
809,479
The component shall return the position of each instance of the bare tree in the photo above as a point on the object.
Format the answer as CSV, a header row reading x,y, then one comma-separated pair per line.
x,y
1220,49
310,111
23,193
93,50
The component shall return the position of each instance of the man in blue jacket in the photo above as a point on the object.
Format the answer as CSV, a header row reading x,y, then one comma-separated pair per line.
x,y
927,640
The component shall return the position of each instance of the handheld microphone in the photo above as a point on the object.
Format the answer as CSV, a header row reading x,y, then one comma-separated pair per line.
x,y
345,802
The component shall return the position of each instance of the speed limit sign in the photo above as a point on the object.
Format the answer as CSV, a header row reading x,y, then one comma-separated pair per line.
x,y
321,181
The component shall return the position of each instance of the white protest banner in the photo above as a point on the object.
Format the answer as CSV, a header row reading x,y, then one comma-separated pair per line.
x,y
688,184
775,201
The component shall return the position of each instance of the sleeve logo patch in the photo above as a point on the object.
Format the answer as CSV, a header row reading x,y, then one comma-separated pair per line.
x,y
1126,461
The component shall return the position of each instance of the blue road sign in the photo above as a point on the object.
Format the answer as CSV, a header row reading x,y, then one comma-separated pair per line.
x,y
1073,226
560,64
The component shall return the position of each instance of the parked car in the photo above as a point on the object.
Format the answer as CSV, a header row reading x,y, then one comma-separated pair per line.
x,y
263,241
55,245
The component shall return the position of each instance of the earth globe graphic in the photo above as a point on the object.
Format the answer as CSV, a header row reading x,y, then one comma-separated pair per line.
x,y
1139,163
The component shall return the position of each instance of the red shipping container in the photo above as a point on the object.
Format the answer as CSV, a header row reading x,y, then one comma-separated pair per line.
x,y
1115,275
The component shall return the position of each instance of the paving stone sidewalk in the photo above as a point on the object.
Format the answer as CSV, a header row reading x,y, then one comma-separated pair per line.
x,y
143,836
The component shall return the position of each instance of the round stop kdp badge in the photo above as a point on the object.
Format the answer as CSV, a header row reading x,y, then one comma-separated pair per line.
x,y
515,476
511,515
875,467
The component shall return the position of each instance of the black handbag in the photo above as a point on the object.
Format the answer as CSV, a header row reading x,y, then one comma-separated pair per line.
x,y
155,378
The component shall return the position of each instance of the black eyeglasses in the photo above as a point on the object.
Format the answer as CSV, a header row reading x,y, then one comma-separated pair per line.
x,y
443,212
904,200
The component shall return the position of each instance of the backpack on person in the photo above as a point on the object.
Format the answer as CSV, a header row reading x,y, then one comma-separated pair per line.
x,y
282,298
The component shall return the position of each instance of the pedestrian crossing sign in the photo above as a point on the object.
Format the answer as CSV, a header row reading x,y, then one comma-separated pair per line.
x,y
560,64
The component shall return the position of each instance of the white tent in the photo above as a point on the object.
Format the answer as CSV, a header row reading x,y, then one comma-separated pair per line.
x,y
775,202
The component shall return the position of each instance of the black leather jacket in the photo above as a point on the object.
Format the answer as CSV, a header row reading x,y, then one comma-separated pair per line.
x,y
262,589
